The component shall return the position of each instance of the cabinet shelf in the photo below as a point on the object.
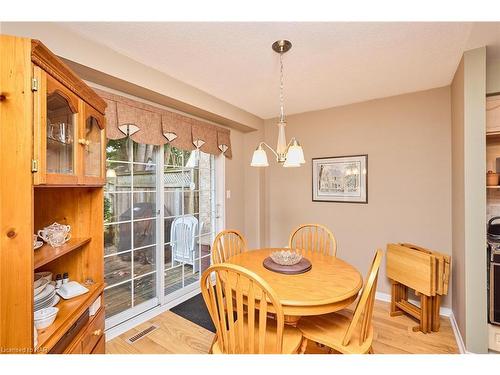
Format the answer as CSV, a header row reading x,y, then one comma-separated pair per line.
x,y
47,253
69,312
493,187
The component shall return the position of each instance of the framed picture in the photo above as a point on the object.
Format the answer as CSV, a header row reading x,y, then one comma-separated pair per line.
x,y
340,179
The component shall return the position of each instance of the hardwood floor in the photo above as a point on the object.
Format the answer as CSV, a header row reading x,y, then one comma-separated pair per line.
x,y
177,335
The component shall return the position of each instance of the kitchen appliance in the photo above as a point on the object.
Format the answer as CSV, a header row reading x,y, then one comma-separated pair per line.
x,y
493,233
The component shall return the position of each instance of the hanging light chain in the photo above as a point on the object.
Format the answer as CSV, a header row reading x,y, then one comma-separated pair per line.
x,y
282,109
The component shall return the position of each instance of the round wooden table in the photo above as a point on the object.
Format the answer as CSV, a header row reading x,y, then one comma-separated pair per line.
x,y
330,285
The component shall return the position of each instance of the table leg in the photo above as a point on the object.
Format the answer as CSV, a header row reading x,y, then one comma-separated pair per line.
x,y
303,346
423,313
436,317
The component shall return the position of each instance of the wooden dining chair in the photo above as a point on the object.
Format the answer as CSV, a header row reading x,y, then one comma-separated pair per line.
x,y
226,244
247,330
315,238
343,333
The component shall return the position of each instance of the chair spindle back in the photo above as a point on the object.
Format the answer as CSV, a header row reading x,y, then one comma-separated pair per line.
x,y
315,238
365,304
235,324
226,244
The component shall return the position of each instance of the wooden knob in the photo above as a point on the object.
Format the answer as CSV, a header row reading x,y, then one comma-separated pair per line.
x,y
97,332
11,233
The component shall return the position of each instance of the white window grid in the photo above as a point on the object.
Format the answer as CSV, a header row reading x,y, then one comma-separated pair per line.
x,y
160,168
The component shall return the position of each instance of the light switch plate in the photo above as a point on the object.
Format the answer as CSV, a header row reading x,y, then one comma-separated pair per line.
x,y
228,194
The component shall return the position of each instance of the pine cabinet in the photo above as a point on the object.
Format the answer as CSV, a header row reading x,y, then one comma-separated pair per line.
x,y
52,168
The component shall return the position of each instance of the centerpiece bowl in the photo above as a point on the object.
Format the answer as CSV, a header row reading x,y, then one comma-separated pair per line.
x,y
286,257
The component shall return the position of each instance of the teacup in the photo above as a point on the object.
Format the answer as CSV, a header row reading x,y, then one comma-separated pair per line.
x,y
55,234
58,238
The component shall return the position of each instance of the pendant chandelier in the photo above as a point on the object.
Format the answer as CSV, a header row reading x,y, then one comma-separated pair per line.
x,y
288,154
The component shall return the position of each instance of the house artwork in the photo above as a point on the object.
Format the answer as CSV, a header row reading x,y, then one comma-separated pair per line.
x,y
339,177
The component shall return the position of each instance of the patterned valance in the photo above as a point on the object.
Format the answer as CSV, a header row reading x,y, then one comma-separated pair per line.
x,y
148,124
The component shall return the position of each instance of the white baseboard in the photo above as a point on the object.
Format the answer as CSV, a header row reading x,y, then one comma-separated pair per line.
x,y
443,311
458,335
145,316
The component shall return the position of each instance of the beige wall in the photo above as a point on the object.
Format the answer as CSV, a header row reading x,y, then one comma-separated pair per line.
x,y
234,181
407,139
458,209
254,202
469,199
475,199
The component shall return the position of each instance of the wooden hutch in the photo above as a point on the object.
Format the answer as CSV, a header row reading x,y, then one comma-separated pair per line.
x,y
52,169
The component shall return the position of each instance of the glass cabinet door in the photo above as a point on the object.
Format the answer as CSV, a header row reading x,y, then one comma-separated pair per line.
x,y
55,133
92,142
60,135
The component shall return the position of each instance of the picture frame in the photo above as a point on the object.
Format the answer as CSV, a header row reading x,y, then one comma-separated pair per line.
x,y
340,179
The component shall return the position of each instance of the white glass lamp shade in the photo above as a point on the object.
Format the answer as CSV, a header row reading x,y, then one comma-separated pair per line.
x,y
259,158
294,156
301,155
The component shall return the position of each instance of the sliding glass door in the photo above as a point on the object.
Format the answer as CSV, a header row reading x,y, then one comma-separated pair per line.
x,y
189,212
159,212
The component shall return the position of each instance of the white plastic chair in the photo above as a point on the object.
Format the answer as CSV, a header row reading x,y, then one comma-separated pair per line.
x,y
182,237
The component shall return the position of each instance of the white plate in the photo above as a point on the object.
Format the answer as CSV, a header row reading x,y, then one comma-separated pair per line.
x,y
45,303
38,245
39,286
71,289
45,293
50,303
46,299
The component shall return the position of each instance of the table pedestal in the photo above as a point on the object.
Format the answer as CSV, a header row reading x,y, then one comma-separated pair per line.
x,y
292,320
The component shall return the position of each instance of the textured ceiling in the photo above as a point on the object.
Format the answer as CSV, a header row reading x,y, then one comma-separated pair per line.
x,y
330,64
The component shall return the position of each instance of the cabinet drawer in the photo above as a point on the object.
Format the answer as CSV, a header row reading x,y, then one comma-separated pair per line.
x,y
75,349
94,332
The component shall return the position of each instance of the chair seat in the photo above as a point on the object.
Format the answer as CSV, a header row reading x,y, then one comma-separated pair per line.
x,y
292,339
330,329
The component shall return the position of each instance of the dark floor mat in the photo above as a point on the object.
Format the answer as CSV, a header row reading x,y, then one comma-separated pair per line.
x,y
195,310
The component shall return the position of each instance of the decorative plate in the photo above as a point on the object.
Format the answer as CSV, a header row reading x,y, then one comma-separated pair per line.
x,y
303,266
